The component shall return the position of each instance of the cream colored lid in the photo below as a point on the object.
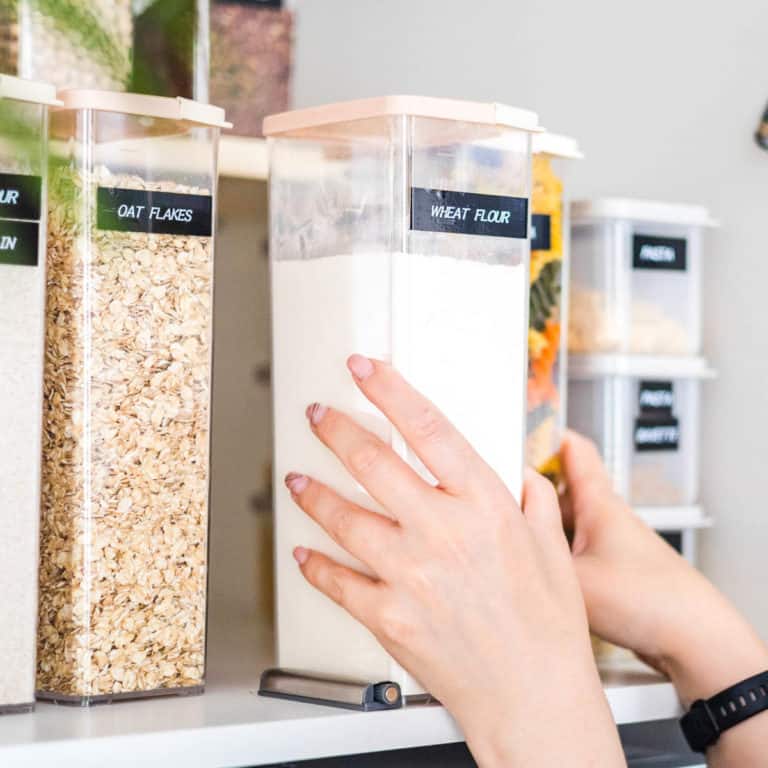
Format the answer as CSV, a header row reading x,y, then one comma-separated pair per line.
x,y
145,106
641,210
419,106
556,145
28,90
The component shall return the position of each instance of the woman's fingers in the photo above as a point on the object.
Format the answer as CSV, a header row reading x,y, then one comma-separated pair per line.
x,y
542,509
442,448
356,593
586,478
388,479
582,461
366,535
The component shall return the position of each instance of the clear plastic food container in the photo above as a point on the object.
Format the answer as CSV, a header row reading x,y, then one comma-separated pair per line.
x,y
171,48
80,44
399,230
648,432
157,47
127,397
251,57
23,163
552,154
636,277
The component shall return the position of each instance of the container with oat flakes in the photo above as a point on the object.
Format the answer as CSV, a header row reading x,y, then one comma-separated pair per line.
x,y
127,397
552,154
23,148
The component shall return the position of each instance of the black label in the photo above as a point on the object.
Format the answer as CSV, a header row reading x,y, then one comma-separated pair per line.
x,y
541,232
19,242
467,213
162,213
656,398
674,539
662,434
651,252
20,196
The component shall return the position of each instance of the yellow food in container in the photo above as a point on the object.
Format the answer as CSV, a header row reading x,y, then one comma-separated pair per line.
x,y
548,306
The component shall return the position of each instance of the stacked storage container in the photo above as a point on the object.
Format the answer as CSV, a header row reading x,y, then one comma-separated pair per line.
x,y
635,344
635,365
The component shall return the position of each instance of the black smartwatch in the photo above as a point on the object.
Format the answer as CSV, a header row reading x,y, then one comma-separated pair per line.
x,y
707,719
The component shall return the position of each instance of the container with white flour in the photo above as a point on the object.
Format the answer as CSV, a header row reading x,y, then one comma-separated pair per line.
x,y
399,230
23,160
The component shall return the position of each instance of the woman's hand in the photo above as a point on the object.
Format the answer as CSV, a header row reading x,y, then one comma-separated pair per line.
x,y
476,598
642,595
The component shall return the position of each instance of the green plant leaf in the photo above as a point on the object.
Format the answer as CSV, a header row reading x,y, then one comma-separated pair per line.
x,y
545,295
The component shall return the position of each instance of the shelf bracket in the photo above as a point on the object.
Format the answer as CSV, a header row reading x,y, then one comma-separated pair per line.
x,y
330,691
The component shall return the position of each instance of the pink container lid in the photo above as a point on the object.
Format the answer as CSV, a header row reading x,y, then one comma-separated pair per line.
x,y
418,106
19,89
145,106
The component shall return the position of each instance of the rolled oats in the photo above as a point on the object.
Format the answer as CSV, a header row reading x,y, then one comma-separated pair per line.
x,y
125,446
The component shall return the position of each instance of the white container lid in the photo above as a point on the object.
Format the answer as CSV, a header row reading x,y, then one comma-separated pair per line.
x,y
28,90
641,210
145,106
556,145
597,366
486,113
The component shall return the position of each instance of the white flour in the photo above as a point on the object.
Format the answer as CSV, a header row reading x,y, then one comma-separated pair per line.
x,y
21,374
456,329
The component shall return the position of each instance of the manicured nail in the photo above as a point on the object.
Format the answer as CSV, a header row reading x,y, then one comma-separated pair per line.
x,y
315,413
360,367
300,555
296,483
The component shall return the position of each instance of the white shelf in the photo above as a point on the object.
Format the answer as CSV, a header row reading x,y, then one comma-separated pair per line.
x,y
674,518
241,157
582,366
230,725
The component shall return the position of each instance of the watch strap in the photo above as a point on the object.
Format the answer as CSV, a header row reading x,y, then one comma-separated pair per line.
x,y
707,719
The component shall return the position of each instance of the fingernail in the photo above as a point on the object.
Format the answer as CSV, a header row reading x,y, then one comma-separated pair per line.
x,y
296,483
360,367
300,555
315,413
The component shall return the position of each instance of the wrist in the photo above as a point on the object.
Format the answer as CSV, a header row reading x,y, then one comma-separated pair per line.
x,y
713,653
565,694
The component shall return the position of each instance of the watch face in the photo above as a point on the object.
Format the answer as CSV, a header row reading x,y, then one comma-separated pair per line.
x,y
699,727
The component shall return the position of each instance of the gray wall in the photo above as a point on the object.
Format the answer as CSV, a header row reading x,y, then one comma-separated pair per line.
x,y
664,96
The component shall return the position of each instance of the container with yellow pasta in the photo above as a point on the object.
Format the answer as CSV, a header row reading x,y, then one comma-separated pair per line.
x,y
548,305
